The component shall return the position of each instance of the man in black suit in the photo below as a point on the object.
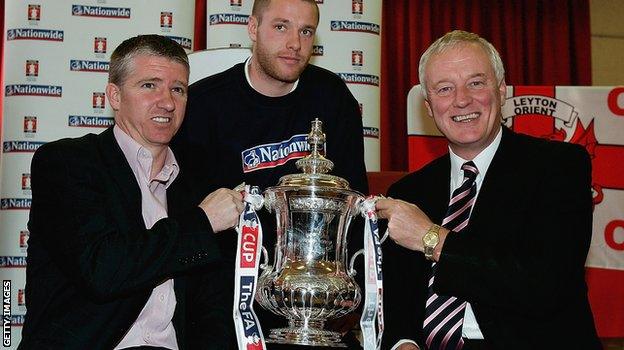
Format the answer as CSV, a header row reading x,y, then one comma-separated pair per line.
x,y
117,257
504,221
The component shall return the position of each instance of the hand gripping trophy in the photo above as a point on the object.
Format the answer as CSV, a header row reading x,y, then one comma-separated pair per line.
x,y
310,281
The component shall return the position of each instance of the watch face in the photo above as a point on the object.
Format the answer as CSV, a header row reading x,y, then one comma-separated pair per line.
x,y
430,238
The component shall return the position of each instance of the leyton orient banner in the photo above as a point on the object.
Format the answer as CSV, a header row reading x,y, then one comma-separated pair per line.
x,y
347,42
589,116
56,58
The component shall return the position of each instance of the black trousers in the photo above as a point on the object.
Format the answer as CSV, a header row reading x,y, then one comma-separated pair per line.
x,y
475,344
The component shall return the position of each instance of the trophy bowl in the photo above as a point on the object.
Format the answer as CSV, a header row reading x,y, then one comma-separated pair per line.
x,y
308,282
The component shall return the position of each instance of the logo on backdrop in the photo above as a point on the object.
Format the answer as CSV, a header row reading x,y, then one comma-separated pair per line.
x,y
352,26
371,132
357,7
20,146
21,300
99,45
26,183
318,50
33,90
34,13
99,11
236,3
355,78
23,240
166,21
99,102
34,34
90,121
32,70
357,59
182,41
88,66
12,261
228,18
30,125
271,155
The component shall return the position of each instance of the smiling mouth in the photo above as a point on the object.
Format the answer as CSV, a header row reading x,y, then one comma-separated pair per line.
x,y
466,117
161,120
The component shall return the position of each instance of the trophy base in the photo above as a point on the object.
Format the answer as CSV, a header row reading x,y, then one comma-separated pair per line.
x,y
300,333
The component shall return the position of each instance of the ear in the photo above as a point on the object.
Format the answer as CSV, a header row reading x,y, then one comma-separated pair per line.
x,y
114,96
252,28
429,110
503,92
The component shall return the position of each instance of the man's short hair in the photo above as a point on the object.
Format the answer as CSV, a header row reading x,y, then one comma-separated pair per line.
x,y
260,6
454,39
155,45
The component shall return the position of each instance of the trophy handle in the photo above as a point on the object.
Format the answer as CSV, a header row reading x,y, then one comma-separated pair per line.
x,y
352,272
265,255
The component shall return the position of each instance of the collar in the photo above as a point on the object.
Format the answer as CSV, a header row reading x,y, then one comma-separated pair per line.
x,y
248,63
140,160
482,161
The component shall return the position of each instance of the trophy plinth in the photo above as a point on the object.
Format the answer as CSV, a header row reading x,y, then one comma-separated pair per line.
x,y
308,282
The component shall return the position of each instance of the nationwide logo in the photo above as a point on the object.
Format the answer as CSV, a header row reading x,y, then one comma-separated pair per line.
x,y
34,12
166,20
20,146
23,239
88,66
33,90
182,41
351,26
228,18
34,34
357,58
12,261
30,124
17,320
99,45
371,132
353,78
357,7
275,154
99,100
318,50
15,203
32,68
88,121
237,3
99,11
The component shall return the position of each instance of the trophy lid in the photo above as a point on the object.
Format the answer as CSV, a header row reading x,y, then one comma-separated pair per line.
x,y
315,166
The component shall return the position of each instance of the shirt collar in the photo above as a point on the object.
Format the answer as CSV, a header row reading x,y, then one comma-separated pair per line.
x,y
248,63
482,162
140,160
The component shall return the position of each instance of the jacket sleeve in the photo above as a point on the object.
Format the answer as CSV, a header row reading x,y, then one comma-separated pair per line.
x,y
88,228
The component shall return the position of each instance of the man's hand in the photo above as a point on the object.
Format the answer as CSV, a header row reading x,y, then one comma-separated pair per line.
x,y
223,208
407,224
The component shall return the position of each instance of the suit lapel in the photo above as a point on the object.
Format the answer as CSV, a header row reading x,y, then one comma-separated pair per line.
x,y
117,166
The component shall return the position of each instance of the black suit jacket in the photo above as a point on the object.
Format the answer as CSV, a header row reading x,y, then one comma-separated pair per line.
x,y
92,264
519,262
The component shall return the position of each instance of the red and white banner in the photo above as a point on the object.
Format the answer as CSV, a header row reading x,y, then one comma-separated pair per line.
x,y
592,117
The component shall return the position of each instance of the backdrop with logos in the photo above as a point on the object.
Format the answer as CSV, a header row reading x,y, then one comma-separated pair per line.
x,y
592,117
56,63
348,42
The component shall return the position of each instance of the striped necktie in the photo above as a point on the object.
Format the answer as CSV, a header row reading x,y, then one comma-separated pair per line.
x,y
444,315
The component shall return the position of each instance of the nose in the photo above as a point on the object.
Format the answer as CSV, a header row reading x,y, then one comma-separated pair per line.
x,y
462,97
166,101
294,41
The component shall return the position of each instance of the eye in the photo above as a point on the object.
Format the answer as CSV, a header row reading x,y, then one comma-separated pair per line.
x,y
307,32
477,84
280,27
148,85
179,90
444,90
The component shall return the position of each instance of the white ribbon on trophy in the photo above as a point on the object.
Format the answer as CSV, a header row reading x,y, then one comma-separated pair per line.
x,y
248,331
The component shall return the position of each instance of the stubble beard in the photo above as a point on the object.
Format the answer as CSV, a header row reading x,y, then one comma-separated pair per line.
x,y
269,66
